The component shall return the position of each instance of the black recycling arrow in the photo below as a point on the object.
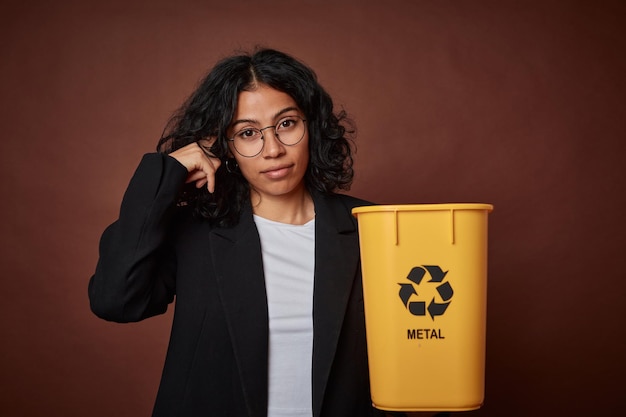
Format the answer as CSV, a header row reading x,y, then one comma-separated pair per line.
x,y
437,309
406,291
436,274
417,308
445,291
416,274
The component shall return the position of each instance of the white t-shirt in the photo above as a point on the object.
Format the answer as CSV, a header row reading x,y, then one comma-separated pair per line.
x,y
289,263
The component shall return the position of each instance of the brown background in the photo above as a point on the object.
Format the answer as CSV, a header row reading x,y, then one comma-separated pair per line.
x,y
519,104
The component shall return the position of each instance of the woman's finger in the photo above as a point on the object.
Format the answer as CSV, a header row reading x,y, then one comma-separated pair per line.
x,y
210,173
196,176
201,182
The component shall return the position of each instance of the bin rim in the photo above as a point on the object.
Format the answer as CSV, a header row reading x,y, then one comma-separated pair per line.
x,y
422,207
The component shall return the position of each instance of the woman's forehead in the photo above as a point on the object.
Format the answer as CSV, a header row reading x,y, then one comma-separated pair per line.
x,y
262,104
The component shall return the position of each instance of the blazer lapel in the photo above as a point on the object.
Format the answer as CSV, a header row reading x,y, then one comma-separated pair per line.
x,y
237,258
336,263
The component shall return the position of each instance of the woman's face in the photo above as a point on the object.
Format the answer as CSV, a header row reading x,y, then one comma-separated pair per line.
x,y
278,170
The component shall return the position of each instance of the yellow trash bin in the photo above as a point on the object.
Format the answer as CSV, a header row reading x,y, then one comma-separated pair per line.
x,y
425,294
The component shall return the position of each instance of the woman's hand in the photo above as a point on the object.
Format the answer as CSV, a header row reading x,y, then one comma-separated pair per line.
x,y
200,163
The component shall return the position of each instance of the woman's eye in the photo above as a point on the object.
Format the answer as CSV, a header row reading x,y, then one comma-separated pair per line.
x,y
248,134
287,123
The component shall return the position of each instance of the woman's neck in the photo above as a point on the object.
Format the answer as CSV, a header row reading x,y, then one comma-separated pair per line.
x,y
294,208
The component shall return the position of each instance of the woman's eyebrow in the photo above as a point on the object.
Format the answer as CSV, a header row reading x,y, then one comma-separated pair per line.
x,y
236,122
285,110
253,121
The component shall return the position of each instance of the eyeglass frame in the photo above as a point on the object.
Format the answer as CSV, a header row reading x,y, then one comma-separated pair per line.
x,y
232,139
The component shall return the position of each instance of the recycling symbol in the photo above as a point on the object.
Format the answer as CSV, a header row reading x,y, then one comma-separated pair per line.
x,y
444,290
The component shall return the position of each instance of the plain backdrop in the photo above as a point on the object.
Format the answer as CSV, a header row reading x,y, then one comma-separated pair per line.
x,y
520,104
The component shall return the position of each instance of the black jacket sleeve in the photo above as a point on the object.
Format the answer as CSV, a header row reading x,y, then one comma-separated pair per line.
x,y
135,274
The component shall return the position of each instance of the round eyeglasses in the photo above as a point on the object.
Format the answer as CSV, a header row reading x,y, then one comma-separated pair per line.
x,y
250,141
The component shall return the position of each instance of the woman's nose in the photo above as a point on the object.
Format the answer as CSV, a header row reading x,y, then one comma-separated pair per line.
x,y
272,147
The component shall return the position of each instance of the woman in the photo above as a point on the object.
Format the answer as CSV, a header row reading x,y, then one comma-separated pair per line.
x,y
237,218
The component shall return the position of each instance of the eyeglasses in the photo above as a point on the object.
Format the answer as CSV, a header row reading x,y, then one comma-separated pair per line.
x,y
249,142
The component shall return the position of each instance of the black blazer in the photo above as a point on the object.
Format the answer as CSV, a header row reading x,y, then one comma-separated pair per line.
x,y
216,363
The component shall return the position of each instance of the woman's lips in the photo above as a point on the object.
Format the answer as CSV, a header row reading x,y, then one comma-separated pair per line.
x,y
277,172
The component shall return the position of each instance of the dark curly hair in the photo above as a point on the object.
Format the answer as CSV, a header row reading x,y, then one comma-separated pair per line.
x,y
208,112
